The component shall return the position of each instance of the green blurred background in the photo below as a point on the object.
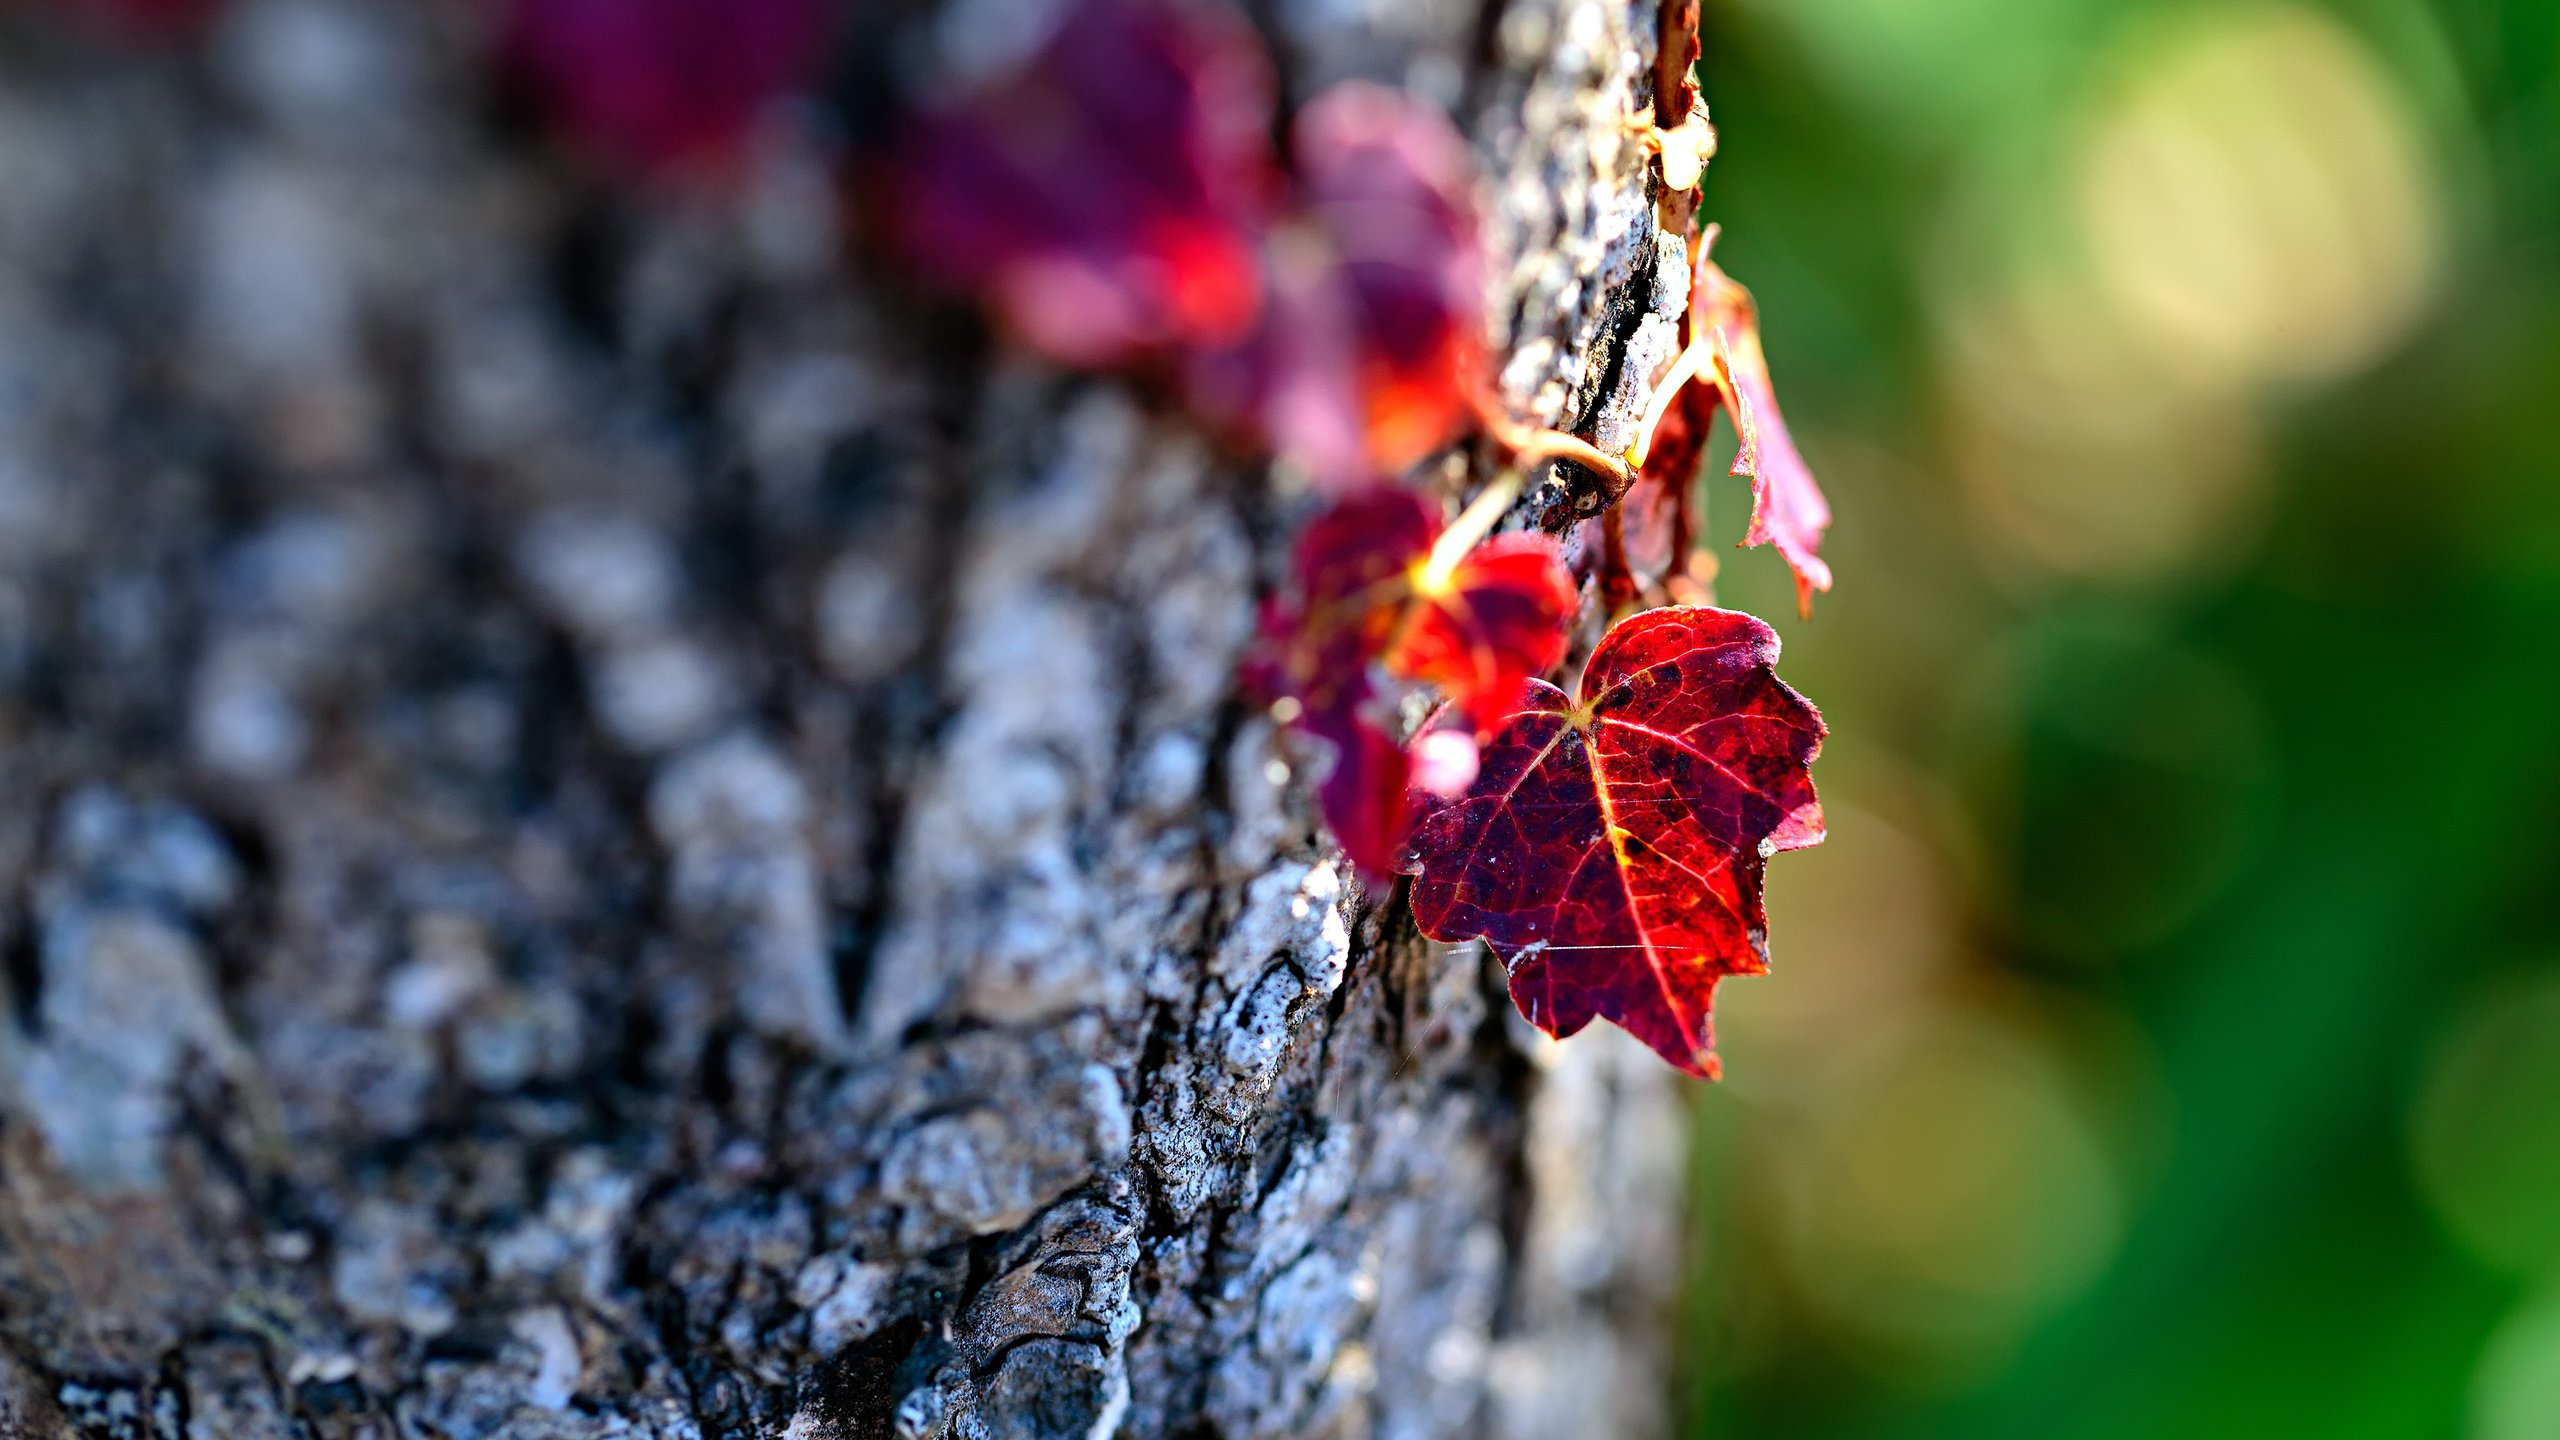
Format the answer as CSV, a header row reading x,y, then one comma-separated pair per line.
x,y
2167,1042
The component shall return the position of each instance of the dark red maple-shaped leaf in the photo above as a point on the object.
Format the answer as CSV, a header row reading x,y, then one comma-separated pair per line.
x,y
1367,608
1787,508
1108,198
1369,355
655,85
1611,850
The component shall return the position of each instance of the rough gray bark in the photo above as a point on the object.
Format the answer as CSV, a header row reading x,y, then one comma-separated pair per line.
x,y
600,836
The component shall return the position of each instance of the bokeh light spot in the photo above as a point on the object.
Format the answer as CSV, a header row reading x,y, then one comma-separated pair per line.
x,y
2082,451
1949,1197
2515,1392
2486,1134
2258,200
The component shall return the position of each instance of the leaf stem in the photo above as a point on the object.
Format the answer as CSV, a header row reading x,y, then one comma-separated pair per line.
x,y
1473,524
1617,581
1683,370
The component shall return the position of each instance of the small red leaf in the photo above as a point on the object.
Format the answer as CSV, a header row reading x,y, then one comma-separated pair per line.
x,y
1109,197
1497,620
652,85
1366,610
1787,508
1350,578
1611,851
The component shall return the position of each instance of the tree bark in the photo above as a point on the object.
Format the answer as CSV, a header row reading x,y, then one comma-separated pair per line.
x,y
609,827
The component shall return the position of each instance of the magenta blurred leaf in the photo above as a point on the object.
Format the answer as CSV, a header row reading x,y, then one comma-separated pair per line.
x,y
1371,351
654,85
1107,197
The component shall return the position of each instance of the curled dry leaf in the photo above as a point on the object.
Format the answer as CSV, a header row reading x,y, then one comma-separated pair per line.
x,y
1611,849
1787,508
1108,198
1370,605
1723,365
1654,514
657,85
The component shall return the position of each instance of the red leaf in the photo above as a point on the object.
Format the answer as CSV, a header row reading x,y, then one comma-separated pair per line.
x,y
1366,609
1349,576
1109,197
1611,851
1370,352
1497,620
1787,508
1388,182
653,85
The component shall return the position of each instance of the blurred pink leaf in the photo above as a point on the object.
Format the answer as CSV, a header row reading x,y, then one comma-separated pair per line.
x,y
1370,355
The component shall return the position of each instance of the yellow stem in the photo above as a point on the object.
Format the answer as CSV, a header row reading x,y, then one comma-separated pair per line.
x,y
1473,524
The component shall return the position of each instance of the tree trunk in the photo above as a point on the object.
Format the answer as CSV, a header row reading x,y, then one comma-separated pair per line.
x,y
608,828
